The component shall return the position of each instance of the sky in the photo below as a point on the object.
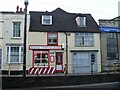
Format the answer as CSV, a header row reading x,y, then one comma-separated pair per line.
x,y
99,9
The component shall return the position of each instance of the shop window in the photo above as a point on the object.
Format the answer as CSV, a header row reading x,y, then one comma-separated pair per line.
x,y
52,38
41,57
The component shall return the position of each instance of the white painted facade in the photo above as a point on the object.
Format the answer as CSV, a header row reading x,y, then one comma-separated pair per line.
x,y
7,40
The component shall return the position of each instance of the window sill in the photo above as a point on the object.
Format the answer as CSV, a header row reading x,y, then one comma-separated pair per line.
x,y
85,46
52,44
14,63
16,38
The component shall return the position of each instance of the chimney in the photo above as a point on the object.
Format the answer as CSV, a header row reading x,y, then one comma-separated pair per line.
x,y
21,10
17,9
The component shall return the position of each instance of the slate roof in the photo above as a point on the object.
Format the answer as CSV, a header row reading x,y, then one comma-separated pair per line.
x,y
62,22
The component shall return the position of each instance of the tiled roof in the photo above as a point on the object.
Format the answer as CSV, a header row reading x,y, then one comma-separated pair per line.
x,y
62,22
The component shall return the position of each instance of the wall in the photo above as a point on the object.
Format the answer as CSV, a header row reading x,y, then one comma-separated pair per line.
x,y
119,8
71,45
40,38
109,23
51,81
7,19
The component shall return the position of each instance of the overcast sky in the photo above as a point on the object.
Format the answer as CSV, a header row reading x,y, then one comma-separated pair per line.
x,y
99,9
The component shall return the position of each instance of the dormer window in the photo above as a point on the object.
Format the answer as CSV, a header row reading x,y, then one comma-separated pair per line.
x,y
46,20
81,21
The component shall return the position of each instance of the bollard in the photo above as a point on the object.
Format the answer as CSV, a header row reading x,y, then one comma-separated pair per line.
x,y
38,70
9,71
66,72
114,68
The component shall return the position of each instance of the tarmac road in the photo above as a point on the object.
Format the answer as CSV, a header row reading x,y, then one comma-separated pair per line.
x,y
112,85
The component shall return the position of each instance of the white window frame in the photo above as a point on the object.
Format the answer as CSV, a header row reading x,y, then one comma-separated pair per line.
x,y
8,55
84,39
81,21
46,17
17,28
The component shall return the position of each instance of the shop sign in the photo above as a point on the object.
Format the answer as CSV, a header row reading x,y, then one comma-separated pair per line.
x,y
109,29
45,47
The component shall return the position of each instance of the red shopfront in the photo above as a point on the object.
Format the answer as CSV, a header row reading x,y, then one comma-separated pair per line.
x,y
46,59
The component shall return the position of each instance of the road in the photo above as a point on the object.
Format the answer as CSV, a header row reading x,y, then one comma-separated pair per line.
x,y
76,87
114,85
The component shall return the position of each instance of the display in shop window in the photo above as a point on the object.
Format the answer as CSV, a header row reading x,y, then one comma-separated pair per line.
x,y
41,57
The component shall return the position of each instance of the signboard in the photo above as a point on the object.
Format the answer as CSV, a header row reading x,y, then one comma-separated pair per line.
x,y
109,29
92,58
45,47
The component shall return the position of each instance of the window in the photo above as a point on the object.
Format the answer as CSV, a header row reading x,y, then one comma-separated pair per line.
x,y
46,20
41,57
14,54
112,46
81,21
52,38
84,39
16,29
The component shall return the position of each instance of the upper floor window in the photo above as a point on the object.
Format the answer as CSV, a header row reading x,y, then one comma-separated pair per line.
x,y
16,29
15,54
84,39
52,38
81,21
112,46
46,19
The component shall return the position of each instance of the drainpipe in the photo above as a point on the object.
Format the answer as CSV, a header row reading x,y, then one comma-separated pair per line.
x,y
66,65
118,35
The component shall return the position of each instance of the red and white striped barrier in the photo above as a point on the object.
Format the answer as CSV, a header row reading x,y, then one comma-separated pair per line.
x,y
41,70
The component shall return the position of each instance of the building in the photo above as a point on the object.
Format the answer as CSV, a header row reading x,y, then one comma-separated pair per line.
x,y
11,41
119,8
110,45
62,42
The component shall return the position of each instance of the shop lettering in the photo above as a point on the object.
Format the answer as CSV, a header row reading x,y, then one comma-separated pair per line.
x,y
45,47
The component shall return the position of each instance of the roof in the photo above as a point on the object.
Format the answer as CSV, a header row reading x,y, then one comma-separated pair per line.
x,y
114,19
62,22
10,12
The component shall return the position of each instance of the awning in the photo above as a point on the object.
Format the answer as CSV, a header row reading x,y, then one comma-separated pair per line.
x,y
109,29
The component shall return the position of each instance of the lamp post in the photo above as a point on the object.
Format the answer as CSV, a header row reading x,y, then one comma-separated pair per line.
x,y
25,36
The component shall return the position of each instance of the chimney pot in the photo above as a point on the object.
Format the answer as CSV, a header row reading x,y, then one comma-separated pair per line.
x,y
21,10
17,9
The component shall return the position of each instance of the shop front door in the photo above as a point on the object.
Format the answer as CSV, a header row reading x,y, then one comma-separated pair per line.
x,y
59,62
